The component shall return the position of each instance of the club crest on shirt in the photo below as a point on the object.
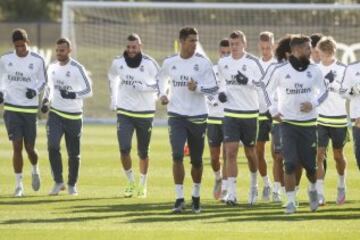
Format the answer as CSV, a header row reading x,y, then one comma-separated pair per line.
x,y
173,67
141,68
196,67
121,67
244,68
67,74
308,74
10,64
226,67
31,66
287,76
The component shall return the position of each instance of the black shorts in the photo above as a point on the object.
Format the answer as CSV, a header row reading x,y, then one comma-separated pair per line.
x,y
264,130
126,126
299,147
182,129
215,134
21,125
276,137
241,129
338,136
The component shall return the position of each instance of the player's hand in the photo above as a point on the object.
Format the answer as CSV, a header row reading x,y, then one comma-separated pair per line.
x,y
277,117
329,77
164,100
241,78
192,85
138,86
67,95
45,105
1,97
306,107
222,97
30,93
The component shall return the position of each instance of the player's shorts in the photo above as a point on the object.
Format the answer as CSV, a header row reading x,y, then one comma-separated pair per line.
x,y
264,128
339,136
192,130
299,147
215,134
241,129
276,137
21,125
126,126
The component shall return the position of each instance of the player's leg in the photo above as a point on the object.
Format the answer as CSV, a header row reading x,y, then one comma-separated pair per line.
x,y
55,132
13,123
278,165
339,137
178,135
125,131
249,129
30,133
307,153
323,137
356,137
214,135
73,130
291,161
143,136
231,144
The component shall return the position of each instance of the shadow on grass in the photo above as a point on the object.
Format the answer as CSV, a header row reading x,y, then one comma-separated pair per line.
x,y
213,213
49,199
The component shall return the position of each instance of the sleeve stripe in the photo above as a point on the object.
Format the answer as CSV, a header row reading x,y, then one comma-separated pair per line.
x,y
86,80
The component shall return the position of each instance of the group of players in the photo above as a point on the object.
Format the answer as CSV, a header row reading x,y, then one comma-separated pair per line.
x,y
295,90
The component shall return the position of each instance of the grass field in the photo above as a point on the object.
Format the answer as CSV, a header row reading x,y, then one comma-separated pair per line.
x,y
101,212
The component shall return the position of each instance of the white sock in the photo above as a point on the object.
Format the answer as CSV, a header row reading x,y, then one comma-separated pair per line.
x,y
196,190
266,181
130,175
232,187
341,181
320,186
224,184
253,179
277,187
143,179
312,186
217,175
291,196
18,178
35,169
179,190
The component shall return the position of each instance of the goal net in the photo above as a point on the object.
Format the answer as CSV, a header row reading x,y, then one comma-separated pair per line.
x,y
98,31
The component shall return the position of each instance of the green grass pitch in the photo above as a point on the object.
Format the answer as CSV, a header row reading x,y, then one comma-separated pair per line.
x,y
101,212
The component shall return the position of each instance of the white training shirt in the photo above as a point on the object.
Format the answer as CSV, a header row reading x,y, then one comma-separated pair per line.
x,y
242,100
71,77
352,80
265,65
292,87
333,109
216,108
133,90
19,73
174,75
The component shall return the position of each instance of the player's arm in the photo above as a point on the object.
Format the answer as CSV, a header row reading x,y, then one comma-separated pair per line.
x,y
2,85
42,77
270,92
207,85
48,92
114,80
321,90
347,88
162,79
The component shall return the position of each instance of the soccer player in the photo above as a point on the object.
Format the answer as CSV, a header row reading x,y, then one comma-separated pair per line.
x,y
282,52
350,89
266,47
215,133
300,88
191,78
315,55
23,77
332,119
68,85
241,112
133,93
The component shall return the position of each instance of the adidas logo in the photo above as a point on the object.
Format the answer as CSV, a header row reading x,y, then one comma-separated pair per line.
x,y
288,76
173,67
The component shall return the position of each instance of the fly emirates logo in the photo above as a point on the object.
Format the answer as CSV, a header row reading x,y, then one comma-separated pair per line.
x,y
298,89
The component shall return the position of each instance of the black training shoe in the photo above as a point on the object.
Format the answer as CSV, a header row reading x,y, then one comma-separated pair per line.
x,y
179,206
195,205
